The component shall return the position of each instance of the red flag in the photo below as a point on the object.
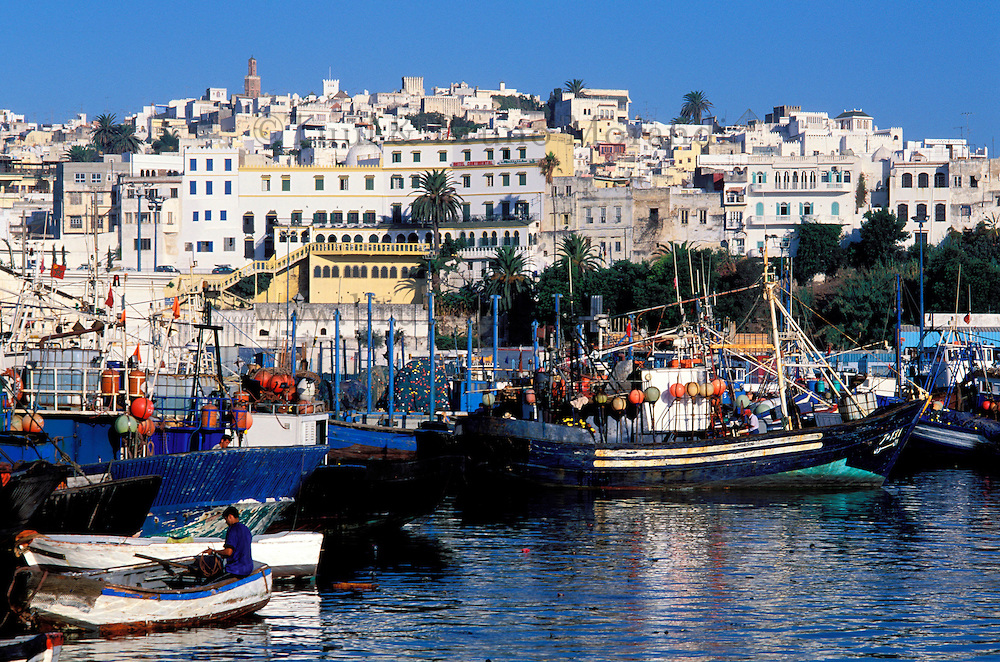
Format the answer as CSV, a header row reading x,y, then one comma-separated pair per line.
x,y
43,265
58,270
177,307
110,301
136,354
968,318
628,329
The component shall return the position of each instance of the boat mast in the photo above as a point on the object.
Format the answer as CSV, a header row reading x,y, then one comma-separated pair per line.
x,y
769,294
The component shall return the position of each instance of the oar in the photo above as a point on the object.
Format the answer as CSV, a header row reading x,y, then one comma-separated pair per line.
x,y
163,562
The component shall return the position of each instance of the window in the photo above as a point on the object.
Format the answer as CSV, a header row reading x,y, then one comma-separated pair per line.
x,y
229,165
397,213
369,183
286,183
590,215
352,217
416,157
940,180
95,177
193,188
466,154
939,212
522,152
903,212
922,211
966,210
522,179
265,183
208,187
229,244
505,179
248,249
466,181
489,154
76,221
318,182
489,180
505,154
604,214
956,181
443,157
782,209
922,180
204,247
228,187
684,217
80,178
208,165
702,216
973,182
146,244
907,180
369,217
414,181
835,209
194,216
397,157
396,182
466,211
222,215
193,165
489,209
248,223
618,214
654,214
343,183
337,217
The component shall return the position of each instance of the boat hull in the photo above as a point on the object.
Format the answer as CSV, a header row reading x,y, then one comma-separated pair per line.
x,y
288,554
88,602
32,648
22,493
860,453
115,507
954,438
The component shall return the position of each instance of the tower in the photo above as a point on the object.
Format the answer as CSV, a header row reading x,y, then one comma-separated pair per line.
x,y
251,84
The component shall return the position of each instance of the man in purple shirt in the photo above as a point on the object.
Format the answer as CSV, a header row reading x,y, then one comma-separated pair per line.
x,y
237,545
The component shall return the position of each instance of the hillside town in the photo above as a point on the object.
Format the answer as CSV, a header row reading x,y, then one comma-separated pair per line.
x,y
324,183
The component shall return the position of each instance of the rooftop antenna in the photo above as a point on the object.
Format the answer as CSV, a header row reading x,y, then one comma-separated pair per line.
x,y
966,114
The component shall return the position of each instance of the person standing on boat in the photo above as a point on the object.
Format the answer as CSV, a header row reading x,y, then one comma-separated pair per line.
x,y
237,546
223,443
754,424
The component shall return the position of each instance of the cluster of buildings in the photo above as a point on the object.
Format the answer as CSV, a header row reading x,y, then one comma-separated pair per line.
x,y
316,191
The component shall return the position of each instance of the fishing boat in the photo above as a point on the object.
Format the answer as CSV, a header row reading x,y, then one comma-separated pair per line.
x,y
138,598
660,427
288,554
23,490
108,506
32,648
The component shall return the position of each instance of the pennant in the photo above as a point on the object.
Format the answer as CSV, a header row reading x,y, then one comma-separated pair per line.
x,y
968,318
628,330
121,320
136,354
58,271
43,265
177,307
110,301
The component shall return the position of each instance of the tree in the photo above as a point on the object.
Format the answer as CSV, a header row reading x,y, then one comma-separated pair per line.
x,y
860,194
428,121
881,233
124,140
574,86
819,251
277,148
167,142
83,153
522,101
438,202
548,165
577,253
103,136
695,105
508,276
461,127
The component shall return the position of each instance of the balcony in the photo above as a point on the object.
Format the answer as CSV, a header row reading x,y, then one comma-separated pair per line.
x,y
804,187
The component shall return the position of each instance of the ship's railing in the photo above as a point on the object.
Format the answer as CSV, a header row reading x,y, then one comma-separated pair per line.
x,y
318,407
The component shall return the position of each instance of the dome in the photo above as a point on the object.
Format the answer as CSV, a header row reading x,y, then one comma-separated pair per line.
x,y
363,152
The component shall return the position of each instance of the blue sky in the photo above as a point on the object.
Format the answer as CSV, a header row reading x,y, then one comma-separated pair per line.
x,y
916,65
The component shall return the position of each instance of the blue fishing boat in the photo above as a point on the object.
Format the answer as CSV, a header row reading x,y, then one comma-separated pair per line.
x,y
197,487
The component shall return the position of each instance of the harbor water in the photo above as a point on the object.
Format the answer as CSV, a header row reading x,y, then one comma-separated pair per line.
x,y
908,572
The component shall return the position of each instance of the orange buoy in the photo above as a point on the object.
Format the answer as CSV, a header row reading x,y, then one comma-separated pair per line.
x,y
677,390
209,416
529,396
142,408
242,419
241,399
32,423
636,396
136,379
263,378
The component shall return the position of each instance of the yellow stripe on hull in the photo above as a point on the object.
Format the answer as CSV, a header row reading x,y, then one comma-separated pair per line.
x,y
721,457
703,450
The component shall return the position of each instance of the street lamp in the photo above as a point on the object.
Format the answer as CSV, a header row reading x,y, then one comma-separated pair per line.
x,y
154,202
921,219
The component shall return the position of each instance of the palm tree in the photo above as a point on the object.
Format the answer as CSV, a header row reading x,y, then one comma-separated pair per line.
x,y
548,165
437,203
104,134
167,142
695,105
125,140
508,276
576,252
83,153
574,86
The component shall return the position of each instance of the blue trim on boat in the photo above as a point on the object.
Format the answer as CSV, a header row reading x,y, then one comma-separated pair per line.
x,y
260,574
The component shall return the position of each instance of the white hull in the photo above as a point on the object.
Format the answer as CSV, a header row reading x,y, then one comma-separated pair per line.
x,y
82,601
289,554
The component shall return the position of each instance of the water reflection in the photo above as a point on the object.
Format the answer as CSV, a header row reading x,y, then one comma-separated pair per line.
x,y
908,571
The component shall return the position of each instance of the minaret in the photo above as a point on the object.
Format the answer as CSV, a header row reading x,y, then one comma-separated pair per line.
x,y
251,84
